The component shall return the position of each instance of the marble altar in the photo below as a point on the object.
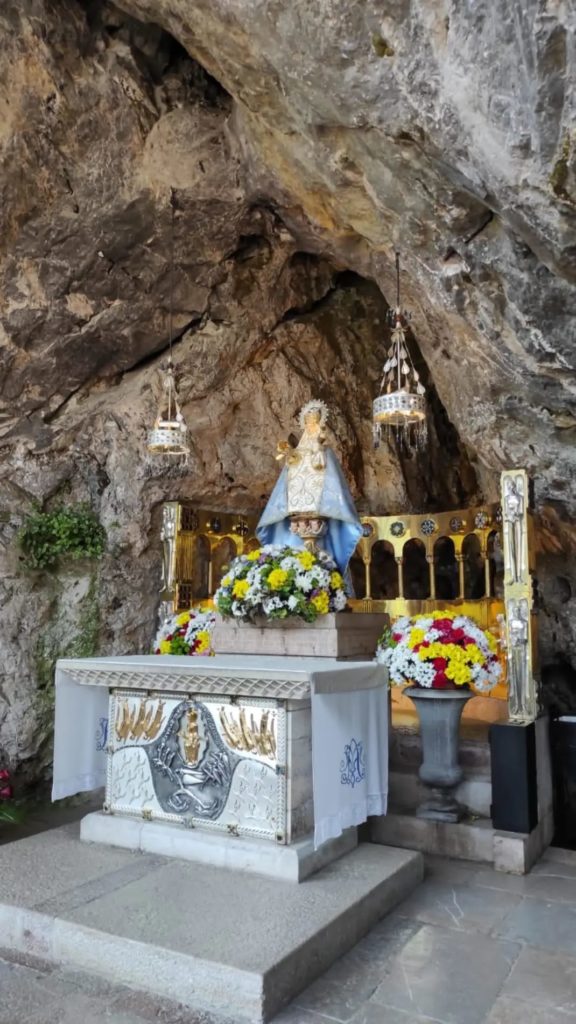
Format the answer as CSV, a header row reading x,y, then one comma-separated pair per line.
x,y
236,760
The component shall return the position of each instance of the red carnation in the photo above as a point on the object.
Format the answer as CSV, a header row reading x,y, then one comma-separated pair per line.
x,y
440,664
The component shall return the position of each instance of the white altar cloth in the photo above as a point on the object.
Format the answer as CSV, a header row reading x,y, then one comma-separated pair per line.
x,y
349,720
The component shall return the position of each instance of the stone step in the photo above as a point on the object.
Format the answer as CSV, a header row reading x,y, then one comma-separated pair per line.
x,y
513,852
216,940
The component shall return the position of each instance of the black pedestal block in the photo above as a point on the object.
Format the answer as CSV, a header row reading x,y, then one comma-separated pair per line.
x,y
514,779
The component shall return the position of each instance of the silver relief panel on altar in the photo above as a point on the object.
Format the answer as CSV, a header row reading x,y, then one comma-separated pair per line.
x,y
199,761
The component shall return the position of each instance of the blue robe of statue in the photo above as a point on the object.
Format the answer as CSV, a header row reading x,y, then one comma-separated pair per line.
x,y
336,505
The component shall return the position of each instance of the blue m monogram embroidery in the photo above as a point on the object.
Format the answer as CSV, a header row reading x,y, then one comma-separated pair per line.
x,y
102,734
353,764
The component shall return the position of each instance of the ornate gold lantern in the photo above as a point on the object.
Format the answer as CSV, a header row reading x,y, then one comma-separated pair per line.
x,y
400,406
169,435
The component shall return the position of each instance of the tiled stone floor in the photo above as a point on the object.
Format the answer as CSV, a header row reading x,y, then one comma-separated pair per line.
x,y
470,946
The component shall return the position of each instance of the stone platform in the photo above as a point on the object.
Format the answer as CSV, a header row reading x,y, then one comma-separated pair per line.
x,y
215,940
291,863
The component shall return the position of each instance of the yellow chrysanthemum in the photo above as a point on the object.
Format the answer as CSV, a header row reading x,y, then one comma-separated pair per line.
x,y
321,602
336,581
240,588
277,579
458,673
203,638
474,654
492,642
416,637
226,581
165,647
182,619
306,559
253,556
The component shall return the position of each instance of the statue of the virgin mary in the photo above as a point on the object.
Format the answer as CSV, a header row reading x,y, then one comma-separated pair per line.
x,y
311,501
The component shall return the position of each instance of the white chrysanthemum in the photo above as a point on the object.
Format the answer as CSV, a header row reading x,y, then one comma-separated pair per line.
x,y
304,582
292,602
339,600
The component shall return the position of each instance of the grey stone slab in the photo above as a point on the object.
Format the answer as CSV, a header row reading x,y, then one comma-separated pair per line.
x,y
297,1015
151,908
373,1014
151,1010
547,925
342,990
261,941
466,908
455,872
47,865
23,997
513,1011
448,975
544,882
103,886
546,979
80,1009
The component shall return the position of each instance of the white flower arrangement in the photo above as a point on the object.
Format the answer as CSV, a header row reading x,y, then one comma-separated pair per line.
x,y
281,582
443,650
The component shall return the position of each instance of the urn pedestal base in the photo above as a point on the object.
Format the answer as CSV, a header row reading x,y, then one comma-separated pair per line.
x,y
439,712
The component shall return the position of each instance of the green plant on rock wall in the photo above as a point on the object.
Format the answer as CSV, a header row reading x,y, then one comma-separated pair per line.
x,y
72,531
50,647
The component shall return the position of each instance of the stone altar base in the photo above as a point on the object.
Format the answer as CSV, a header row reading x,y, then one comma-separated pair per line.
x,y
292,863
234,945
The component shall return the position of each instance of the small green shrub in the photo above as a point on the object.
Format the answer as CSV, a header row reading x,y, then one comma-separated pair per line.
x,y
72,532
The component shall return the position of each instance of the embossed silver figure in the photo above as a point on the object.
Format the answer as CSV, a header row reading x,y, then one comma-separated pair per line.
x,y
168,538
513,514
519,681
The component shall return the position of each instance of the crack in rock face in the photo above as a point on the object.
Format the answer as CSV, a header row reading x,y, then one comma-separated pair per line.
x,y
304,143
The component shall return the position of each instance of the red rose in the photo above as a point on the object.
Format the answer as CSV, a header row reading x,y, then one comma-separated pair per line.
x,y
4,774
6,793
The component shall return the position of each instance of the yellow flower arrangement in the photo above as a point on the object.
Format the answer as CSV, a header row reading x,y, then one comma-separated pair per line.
x,y
440,649
186,633
279,582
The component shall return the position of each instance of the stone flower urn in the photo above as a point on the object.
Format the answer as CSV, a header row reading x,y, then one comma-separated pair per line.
x,y
439,712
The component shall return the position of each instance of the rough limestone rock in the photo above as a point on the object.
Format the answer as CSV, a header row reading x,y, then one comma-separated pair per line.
x,y
305,143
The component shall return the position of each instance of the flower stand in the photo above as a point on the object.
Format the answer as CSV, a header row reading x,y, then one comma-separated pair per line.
x,y
439,712
341,635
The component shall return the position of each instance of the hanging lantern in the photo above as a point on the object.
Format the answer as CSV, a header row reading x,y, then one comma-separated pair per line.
x,y
169,435
400,407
